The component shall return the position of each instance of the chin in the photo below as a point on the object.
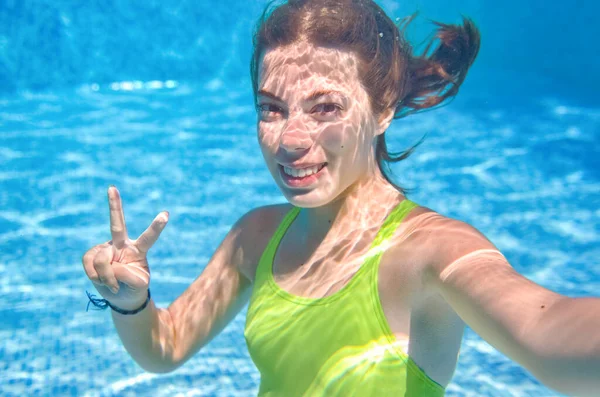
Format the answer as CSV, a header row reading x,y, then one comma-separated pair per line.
x,y
311,197
306,199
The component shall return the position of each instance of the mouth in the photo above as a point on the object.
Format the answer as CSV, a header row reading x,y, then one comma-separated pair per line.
x,y
304,177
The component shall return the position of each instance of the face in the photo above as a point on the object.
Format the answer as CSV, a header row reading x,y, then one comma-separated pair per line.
x,y
315,125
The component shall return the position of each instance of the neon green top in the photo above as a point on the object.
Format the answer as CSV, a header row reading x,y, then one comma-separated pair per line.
x,y
339,345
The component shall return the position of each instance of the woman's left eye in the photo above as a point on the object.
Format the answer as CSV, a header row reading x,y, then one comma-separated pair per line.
x,y
326,108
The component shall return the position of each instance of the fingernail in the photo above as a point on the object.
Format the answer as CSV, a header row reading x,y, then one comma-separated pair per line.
x,y
114,290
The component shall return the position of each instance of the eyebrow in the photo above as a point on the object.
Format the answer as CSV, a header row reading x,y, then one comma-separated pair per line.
x,y
312,97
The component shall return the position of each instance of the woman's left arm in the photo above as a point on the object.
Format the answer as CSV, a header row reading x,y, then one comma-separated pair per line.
x,y
555,337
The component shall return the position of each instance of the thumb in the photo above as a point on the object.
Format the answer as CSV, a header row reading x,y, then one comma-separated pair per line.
x,y
136,277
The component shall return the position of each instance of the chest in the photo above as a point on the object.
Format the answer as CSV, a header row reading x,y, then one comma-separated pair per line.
x,y
323,270
333,269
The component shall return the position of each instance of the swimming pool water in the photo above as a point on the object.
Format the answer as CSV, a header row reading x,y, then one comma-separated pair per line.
x,y
525,170
529,183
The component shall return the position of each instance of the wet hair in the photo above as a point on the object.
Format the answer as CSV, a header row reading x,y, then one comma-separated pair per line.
x,y
393,77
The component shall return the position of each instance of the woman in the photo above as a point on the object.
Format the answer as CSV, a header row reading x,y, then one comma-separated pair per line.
x,y
353,289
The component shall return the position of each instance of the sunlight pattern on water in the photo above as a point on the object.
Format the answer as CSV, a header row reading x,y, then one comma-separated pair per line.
x,y
523,179
514,156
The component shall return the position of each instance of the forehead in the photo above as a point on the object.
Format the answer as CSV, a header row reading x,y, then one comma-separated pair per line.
x,y
302,65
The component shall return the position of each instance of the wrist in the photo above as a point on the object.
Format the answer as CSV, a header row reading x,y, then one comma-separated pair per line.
x,y
103,304
129,304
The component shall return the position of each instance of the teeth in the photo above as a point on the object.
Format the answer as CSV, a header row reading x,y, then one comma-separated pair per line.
x,y
303,172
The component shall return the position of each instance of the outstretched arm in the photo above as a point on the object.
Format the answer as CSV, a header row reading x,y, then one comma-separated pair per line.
x,y
555,337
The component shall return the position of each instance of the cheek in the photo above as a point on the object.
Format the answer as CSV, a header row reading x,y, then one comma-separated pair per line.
x,y
338,138
267,135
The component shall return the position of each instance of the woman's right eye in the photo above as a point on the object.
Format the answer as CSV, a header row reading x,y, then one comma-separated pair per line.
x,y
268,112
269,108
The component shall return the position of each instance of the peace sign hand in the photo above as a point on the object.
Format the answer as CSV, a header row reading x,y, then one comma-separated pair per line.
x,y
118,268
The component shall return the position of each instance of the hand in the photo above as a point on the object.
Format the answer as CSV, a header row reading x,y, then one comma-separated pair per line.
x,y
119,268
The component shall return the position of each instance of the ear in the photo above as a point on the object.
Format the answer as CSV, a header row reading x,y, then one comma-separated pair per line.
x,y
384,120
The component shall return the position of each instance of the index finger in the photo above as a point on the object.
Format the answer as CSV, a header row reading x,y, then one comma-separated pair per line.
x,y
118,230
150,235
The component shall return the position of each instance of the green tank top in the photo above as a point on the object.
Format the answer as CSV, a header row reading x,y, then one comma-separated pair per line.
x,y
339,345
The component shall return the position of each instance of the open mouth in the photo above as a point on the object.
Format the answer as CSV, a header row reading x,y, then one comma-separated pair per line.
x,y
304,172
301,177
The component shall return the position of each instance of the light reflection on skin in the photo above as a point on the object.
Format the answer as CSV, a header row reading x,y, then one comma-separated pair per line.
x,y
336,129
343,211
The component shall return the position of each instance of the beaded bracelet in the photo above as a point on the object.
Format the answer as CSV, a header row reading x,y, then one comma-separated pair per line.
x,y
102,304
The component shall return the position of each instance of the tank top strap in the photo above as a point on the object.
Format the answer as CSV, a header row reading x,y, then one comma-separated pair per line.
x,y
380,242
264,265
378,246
391,223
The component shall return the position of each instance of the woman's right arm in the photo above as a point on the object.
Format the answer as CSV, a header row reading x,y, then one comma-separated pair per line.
x,y
160,340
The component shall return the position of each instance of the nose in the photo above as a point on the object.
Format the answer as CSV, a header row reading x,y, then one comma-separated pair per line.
x,y
295,136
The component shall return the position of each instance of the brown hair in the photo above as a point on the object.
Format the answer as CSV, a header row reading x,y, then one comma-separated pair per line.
x,y
391,75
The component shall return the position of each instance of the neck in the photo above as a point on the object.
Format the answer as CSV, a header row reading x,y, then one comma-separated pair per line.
x,y
363,205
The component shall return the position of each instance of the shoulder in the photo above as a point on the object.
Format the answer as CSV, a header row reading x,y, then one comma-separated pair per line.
x,y
433,241
429,244
264,218
441,241
254,230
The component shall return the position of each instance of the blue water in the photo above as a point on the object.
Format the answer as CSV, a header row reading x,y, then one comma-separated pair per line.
x,y
104,94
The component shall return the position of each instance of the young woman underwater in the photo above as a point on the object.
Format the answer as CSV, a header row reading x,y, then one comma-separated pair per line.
x,y
353,289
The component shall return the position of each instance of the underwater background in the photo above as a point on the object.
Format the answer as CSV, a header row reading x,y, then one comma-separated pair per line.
x,y
155,98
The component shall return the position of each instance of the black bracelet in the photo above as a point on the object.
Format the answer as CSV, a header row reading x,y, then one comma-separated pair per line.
x,y
101,304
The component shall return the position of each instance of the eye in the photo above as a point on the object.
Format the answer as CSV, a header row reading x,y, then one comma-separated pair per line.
x,y
268,110
326,109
